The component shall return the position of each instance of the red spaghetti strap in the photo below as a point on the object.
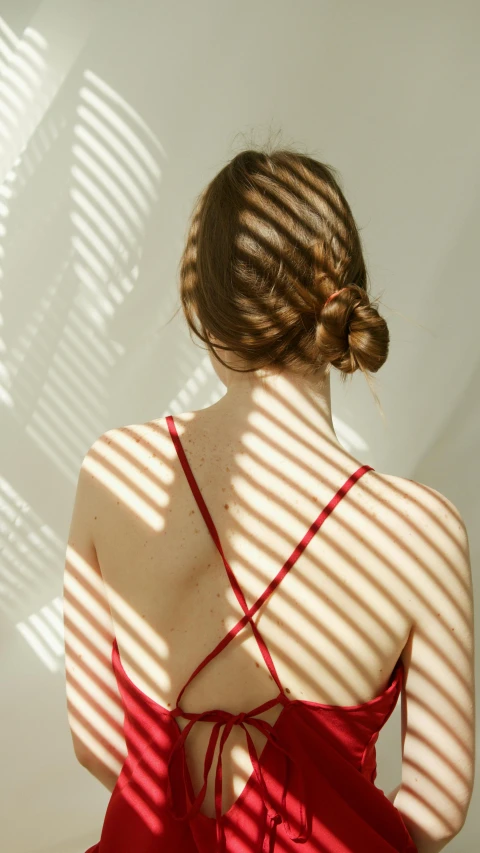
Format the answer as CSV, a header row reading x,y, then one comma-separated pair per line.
x,y
279,576
233,580
275,813
309,535
203,509
249,612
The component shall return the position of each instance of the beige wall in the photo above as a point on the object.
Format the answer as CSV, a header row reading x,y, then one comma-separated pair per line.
x,y
115,115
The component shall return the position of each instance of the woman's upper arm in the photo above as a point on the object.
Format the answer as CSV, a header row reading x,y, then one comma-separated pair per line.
x,y
438,701
94,709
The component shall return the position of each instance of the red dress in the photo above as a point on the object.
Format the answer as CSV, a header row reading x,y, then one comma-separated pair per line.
x,y
312,784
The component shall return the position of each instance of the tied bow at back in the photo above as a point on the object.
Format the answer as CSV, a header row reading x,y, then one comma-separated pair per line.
x,y
245,718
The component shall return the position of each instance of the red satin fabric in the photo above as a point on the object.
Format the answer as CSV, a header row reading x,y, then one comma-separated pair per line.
x,y
312,784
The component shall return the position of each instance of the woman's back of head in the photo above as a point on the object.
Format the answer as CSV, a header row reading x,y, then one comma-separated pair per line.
x,y
271,237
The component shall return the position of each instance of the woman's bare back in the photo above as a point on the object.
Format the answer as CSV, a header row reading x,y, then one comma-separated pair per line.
x,y
387,560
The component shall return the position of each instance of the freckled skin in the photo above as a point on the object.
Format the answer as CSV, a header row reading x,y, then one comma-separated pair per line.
x,y
380,562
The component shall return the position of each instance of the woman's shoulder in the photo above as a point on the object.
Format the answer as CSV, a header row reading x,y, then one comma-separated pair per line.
x,y
434,538
424,501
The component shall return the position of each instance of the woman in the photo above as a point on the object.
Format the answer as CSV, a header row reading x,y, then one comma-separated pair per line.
x,y
245,599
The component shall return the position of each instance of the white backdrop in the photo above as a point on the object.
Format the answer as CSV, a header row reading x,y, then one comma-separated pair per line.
x,y
113,115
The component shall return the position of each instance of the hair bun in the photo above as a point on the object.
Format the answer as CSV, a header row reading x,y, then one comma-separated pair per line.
x,y
351,334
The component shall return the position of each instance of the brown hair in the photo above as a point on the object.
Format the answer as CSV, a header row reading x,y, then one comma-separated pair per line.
x,y
269,239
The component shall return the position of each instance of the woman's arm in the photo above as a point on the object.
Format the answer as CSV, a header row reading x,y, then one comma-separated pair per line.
x,y
438,696
101,771
94,707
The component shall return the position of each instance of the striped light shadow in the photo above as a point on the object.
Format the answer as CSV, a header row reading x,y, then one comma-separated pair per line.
x,y
133,469
31,552
343,616
115,178
43,632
